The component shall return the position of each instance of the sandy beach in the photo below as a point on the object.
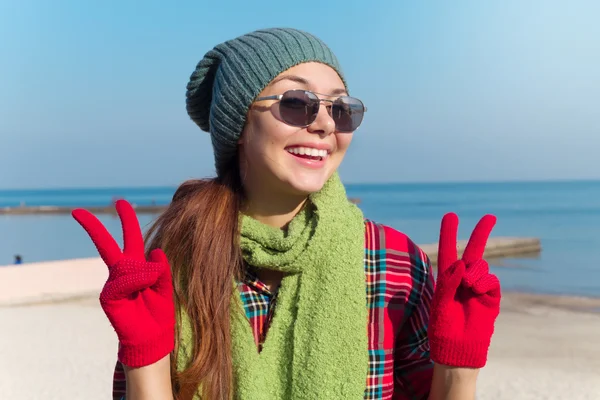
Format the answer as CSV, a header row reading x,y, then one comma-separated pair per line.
x,y
57,343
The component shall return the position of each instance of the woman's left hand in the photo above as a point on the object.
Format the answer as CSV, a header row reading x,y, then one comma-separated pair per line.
x,y
466,301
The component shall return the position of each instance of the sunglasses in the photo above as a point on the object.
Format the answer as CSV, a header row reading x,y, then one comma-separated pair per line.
x,y
301,107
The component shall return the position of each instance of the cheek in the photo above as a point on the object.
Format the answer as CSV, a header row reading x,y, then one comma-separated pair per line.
x,y
343,141
266,136
273,134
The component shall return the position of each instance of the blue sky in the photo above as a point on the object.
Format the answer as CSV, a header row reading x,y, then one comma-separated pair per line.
x,y
93,92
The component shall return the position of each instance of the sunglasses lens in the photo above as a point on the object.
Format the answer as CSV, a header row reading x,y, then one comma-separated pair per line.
x,y
348,113
299,107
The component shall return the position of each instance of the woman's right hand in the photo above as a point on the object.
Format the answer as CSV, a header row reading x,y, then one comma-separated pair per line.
x,y
138,295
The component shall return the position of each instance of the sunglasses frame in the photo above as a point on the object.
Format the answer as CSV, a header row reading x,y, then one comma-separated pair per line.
x,y
320,100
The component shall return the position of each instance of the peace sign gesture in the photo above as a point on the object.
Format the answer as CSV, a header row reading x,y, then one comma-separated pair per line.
x,y
138,295
466,301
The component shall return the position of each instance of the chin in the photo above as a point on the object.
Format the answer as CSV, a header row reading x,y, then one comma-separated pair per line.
x,y
307,183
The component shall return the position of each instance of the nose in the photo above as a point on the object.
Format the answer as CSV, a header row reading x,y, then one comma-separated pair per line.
x,y
323,125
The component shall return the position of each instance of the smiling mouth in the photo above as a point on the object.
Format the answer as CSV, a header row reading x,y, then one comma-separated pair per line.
x,y
308,153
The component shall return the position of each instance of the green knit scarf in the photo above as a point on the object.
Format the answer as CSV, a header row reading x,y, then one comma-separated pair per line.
x,y
316,346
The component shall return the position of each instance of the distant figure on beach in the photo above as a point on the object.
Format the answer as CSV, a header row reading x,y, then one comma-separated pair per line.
x,y
266,282
18,259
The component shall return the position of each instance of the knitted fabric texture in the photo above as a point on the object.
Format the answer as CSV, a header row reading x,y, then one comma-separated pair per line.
x,y
231,75
317,345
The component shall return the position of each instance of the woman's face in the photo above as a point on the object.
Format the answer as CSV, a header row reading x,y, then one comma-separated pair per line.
x,y
273,154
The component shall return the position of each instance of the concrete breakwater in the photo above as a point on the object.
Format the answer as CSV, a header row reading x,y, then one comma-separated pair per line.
x,y
57,210
108,209
497,247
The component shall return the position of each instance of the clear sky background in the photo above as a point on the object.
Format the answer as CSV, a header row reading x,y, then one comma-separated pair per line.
x,y
92,93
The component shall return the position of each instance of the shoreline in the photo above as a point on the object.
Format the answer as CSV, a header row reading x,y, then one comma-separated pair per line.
x,y
65,281
43,281
564,302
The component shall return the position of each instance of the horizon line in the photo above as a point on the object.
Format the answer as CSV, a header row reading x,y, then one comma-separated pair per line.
x,y
454,182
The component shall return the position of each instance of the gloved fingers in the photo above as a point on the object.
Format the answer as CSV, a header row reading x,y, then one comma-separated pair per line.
x,y
107,246
447,252
448,281
133,240
478,240
487,284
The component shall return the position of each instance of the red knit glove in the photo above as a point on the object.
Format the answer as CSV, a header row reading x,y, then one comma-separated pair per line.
x,y
138,295
466,300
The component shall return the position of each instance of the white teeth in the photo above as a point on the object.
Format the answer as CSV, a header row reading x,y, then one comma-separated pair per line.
x,y
307,151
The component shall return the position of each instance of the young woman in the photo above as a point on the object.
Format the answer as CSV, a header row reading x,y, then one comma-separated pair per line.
x,y
266,282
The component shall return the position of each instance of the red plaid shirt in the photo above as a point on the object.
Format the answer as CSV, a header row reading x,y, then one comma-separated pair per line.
x,y
399,291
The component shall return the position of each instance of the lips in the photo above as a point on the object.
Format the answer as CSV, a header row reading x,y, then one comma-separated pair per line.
x,y
309,153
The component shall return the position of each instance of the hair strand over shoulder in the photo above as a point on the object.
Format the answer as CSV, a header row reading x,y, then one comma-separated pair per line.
x,y
199,232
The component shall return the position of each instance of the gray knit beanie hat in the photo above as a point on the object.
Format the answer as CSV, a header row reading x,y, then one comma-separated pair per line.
x,y
231,75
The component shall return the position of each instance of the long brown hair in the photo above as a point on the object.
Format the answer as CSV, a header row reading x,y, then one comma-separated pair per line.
x,y
199,233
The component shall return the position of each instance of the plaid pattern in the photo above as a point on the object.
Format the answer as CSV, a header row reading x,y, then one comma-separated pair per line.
x,y
259,305
399,291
